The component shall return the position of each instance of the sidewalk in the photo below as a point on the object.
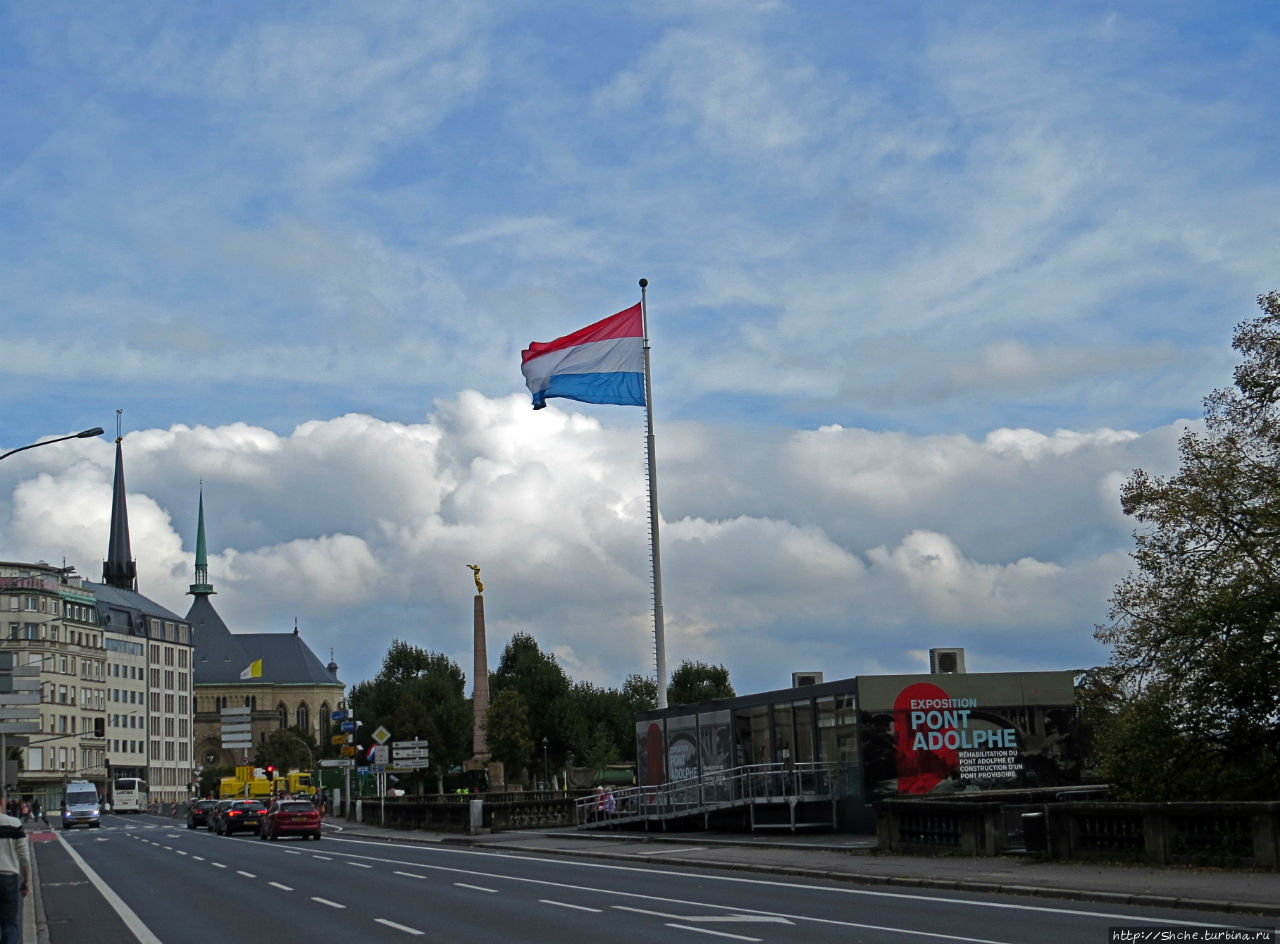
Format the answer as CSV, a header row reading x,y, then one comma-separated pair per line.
x,y
847,858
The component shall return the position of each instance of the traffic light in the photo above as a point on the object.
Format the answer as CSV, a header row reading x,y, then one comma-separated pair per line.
x,y
271,771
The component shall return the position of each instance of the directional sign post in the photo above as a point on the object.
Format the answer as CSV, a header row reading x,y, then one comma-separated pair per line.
x,y
237,729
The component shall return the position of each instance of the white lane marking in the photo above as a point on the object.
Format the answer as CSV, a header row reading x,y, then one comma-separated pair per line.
x,y
245,874
360,865
749,918
131,920
736,937
283,888
838,890
180,852
323,858
565,904
399,927
410,874
217,865
477,888
326,901
676,851
198,858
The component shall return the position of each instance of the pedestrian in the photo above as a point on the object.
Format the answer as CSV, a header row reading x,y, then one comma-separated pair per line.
x,y
37,812
15,878
610,803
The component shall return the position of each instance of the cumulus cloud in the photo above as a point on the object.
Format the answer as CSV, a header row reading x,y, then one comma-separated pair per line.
x,y
838,549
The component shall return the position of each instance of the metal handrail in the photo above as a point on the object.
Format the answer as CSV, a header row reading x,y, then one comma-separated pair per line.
x,y
710,791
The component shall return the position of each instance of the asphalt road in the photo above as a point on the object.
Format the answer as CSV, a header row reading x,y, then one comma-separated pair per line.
x,y
147,879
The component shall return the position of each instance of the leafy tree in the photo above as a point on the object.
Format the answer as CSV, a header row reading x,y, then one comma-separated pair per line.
x,y
507,731
640,692
419,694
541,682
285,750
696,681
1195,628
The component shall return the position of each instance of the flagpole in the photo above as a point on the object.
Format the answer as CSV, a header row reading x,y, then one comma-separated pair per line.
x,y
659,645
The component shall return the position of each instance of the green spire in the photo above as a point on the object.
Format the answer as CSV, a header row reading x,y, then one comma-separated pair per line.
x,y
201,587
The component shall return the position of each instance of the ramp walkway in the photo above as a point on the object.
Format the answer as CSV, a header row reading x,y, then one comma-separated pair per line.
x,y
774,796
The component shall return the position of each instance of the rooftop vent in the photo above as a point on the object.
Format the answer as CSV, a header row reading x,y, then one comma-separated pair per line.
x,y
799,679
946,662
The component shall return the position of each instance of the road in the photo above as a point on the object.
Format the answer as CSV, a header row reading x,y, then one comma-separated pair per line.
x,y
142,878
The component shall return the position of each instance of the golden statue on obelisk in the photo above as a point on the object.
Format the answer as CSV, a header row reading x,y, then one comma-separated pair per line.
x,y
475,572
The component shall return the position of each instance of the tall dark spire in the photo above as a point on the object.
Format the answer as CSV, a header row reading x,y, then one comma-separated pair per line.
x,y
119,569
201,587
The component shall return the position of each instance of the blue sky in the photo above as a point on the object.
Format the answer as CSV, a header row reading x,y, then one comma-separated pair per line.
x,y
925,285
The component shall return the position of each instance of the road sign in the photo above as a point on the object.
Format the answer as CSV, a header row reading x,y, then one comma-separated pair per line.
x,y
345,715
397,745
235,713
362,771
9,683
13,714
381,735
380,754
349,726
337,762
19,727
347,750
340,739
20,698
236,729
410,754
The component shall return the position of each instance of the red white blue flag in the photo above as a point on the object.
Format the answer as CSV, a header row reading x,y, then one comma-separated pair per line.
x,y
601,363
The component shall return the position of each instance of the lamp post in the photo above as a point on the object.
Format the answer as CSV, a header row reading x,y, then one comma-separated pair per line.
x,y
546,770
83,434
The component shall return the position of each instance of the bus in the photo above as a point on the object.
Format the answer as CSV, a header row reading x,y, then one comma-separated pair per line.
x,y
128,795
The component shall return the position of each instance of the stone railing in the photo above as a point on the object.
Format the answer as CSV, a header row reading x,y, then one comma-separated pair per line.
x,y
1226,834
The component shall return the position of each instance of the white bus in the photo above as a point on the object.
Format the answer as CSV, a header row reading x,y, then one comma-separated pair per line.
x,y
128,795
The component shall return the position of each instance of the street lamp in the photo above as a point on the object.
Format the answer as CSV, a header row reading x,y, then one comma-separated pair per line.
x,y
83,434
546,770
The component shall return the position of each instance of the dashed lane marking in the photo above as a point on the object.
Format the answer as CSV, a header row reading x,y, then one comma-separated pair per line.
x,y
399,927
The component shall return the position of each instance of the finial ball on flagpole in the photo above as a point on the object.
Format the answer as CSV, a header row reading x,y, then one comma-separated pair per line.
x,y
644,283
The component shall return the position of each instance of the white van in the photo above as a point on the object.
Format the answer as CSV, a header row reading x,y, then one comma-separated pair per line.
x,y
81,805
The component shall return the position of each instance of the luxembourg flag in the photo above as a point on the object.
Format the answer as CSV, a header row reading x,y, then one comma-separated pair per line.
x,y
601,363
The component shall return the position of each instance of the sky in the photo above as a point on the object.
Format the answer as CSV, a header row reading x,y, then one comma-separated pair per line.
x,y
927,282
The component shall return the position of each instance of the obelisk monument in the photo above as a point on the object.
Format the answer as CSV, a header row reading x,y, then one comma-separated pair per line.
x,y
479,675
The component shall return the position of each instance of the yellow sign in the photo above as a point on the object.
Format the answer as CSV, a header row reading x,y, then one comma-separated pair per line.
x,y
244,773
347,750
340,739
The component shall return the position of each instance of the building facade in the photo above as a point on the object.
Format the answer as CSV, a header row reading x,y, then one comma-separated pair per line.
x,y
50,620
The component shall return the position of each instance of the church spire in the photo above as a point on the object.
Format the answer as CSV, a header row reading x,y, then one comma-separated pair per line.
x,y
119,569
201,587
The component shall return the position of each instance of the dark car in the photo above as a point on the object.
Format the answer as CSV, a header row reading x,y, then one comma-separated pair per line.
x,y
211,817
198,813
291,818
240,816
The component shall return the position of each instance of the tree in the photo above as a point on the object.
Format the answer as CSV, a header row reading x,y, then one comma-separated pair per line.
x,y
696,681
541,682
419,694
506,729
1195,628
284,750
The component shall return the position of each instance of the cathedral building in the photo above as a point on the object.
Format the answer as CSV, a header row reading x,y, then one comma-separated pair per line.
x,y
275,675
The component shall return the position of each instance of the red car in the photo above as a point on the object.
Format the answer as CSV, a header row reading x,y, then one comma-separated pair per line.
x,y
290,818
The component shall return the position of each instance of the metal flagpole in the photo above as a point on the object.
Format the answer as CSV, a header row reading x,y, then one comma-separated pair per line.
x,y
659,646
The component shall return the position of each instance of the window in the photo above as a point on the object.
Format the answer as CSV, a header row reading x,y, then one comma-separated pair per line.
x,y
304,717
282,714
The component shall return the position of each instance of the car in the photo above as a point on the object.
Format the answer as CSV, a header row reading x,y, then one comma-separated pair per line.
x,y
291,818
211,818
198,813
240,816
